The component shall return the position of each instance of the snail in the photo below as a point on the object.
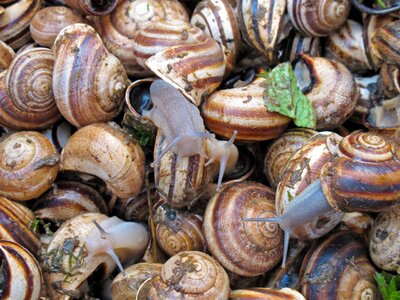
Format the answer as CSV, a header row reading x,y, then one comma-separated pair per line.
x,y
266,293
361,178
28,165
386,41
6,56
185,132
21,273
84,243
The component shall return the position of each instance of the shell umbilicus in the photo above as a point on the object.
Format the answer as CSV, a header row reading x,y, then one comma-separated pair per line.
x,y
184,129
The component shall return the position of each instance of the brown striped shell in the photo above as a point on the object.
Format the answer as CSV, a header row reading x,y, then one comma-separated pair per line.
x,y
266,293
189,275
217,18
125,286
88,81
22,276
26,95
346,45
245,248
390,79
196,69
14,22
104,150
339,268
177,231
134,208
7,54
68,199
119,28
243,109
386,41
364,177
92,8
28,165
298,44
281,149
331,89
359,222
261,23
303,168
48,22
161,35
15,225
318,18
180,183
384,242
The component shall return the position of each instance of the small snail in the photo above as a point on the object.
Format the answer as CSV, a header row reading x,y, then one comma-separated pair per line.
x,y
185,132
362,178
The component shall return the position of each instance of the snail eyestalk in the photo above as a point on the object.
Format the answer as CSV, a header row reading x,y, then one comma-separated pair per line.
x,y
304,208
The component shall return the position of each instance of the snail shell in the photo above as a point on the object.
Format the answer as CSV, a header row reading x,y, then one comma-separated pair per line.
x,y
59,134
188,275
303,168
339,268
281,150
26,96
244,248
386,41
126,286
28,165
15,222
93,8
106,152
217,18
369,91
88,92
7,54
266,293
390,79
14,22
243,109
364,177
346,45
298,44
261,23
68,199
119,28
196,69
177,231
22,273
330,87
318,18
384,240
359,222
48,22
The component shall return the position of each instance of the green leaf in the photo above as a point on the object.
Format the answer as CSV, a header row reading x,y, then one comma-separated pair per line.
x,y
388,285
380,3
283,95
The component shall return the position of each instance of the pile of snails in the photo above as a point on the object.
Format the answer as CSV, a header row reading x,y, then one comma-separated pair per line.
x,y
138,159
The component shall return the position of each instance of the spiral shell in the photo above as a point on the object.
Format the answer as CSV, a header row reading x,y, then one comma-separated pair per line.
x,y
26,96
67,200
125,286
280,151
177,232
28,165
245,248
318,18
390,79
217,19
188,275
22,274
7,54
346,45
331,90
303,168
107,152
266,293
261,23
88,92
339,268
196,69
365,177
59,134
119,28
14,22
384,240
298,44
15,222
49,21
386,41
93,8
243,109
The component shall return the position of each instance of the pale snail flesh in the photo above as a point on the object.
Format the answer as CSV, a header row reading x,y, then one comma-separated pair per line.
x,y
185,131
